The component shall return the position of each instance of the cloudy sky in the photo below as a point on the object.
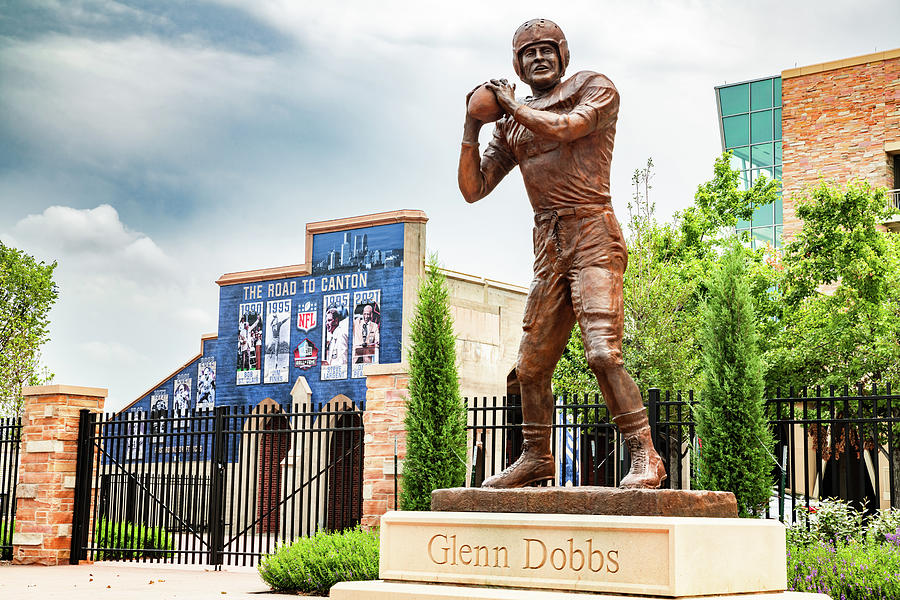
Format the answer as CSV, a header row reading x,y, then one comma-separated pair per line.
x,y
151,146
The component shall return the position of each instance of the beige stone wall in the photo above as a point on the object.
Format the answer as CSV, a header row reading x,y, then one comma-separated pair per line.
x,y
839,122
487,321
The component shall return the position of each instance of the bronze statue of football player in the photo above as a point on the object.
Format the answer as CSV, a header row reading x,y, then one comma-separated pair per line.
x,y
561,137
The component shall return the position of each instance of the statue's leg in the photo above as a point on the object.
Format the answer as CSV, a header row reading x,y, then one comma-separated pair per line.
x,y
548,321
598,304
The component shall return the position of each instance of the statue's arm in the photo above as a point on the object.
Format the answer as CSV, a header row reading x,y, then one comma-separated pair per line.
x,y
598,106
478,176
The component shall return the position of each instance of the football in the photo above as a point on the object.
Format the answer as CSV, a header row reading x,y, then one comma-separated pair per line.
x,y
483,105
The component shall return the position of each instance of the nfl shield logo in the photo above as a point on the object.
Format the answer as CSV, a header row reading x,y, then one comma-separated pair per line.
x,y
306,316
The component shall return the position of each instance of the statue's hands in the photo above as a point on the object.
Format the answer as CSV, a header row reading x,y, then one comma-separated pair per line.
x,y
506,94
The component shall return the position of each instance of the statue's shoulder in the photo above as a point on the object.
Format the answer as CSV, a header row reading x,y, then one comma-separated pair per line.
x,y
592,79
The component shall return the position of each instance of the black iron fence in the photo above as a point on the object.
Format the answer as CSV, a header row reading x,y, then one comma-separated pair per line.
x,y
217,487
828,443
10,434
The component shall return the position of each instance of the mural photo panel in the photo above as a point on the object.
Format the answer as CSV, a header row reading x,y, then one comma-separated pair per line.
x,y
181,400
335,335
206,383
366,329
159,409
134,445
250,332
278,341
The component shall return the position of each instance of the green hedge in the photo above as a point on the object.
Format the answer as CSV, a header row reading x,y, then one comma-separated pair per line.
x,y
314,564
120,540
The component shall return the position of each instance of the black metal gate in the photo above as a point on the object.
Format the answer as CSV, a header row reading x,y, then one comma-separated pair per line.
x,y
10,434
215,487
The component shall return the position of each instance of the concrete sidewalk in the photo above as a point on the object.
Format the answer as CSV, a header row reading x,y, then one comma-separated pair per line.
x,y
114,581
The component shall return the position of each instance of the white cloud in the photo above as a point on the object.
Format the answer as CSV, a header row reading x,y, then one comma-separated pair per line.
x,y
127,309
96,242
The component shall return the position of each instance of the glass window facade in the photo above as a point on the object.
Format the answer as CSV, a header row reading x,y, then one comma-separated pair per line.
x,y
750,121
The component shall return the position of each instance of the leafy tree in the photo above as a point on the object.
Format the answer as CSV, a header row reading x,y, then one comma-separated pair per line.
x,y
718,204
839,320
436,415
27,292
736,441
840,293
664,283
660,289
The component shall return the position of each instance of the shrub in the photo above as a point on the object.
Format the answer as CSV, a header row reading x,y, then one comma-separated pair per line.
x,y
851,571
119,540
316,563
436,416
832,522
737,443
884,526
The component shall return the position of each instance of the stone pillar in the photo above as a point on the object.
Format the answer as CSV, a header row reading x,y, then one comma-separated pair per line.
x,y
45,493
383,423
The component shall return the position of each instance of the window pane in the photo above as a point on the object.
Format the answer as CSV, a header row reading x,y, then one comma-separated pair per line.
x,y
761,94
777,116
777,91
777,173
762,215
778,237
742,224
763,155
734,99
740,158
763,236
760,126
737,130
777,153
779,210
755,173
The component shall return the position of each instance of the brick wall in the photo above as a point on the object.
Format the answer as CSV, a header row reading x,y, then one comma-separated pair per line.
x,y
46,490
383,422
836,120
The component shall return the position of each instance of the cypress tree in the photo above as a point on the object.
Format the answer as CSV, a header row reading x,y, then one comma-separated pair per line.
x,y
735,440
436,416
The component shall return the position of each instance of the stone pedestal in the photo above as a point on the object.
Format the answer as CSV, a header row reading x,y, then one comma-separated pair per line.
x,y
533,556
384,590
587,500
45,493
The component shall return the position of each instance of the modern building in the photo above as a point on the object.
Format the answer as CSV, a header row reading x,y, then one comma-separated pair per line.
x,y
838,120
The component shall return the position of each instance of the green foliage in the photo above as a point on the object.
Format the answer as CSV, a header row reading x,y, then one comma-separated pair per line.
x,y
572,376
664,284
736,441
884,525
839,320
27,293
660,298
833,521
853,571
436,416
314,564
6,535
121,540
718,204
831,551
